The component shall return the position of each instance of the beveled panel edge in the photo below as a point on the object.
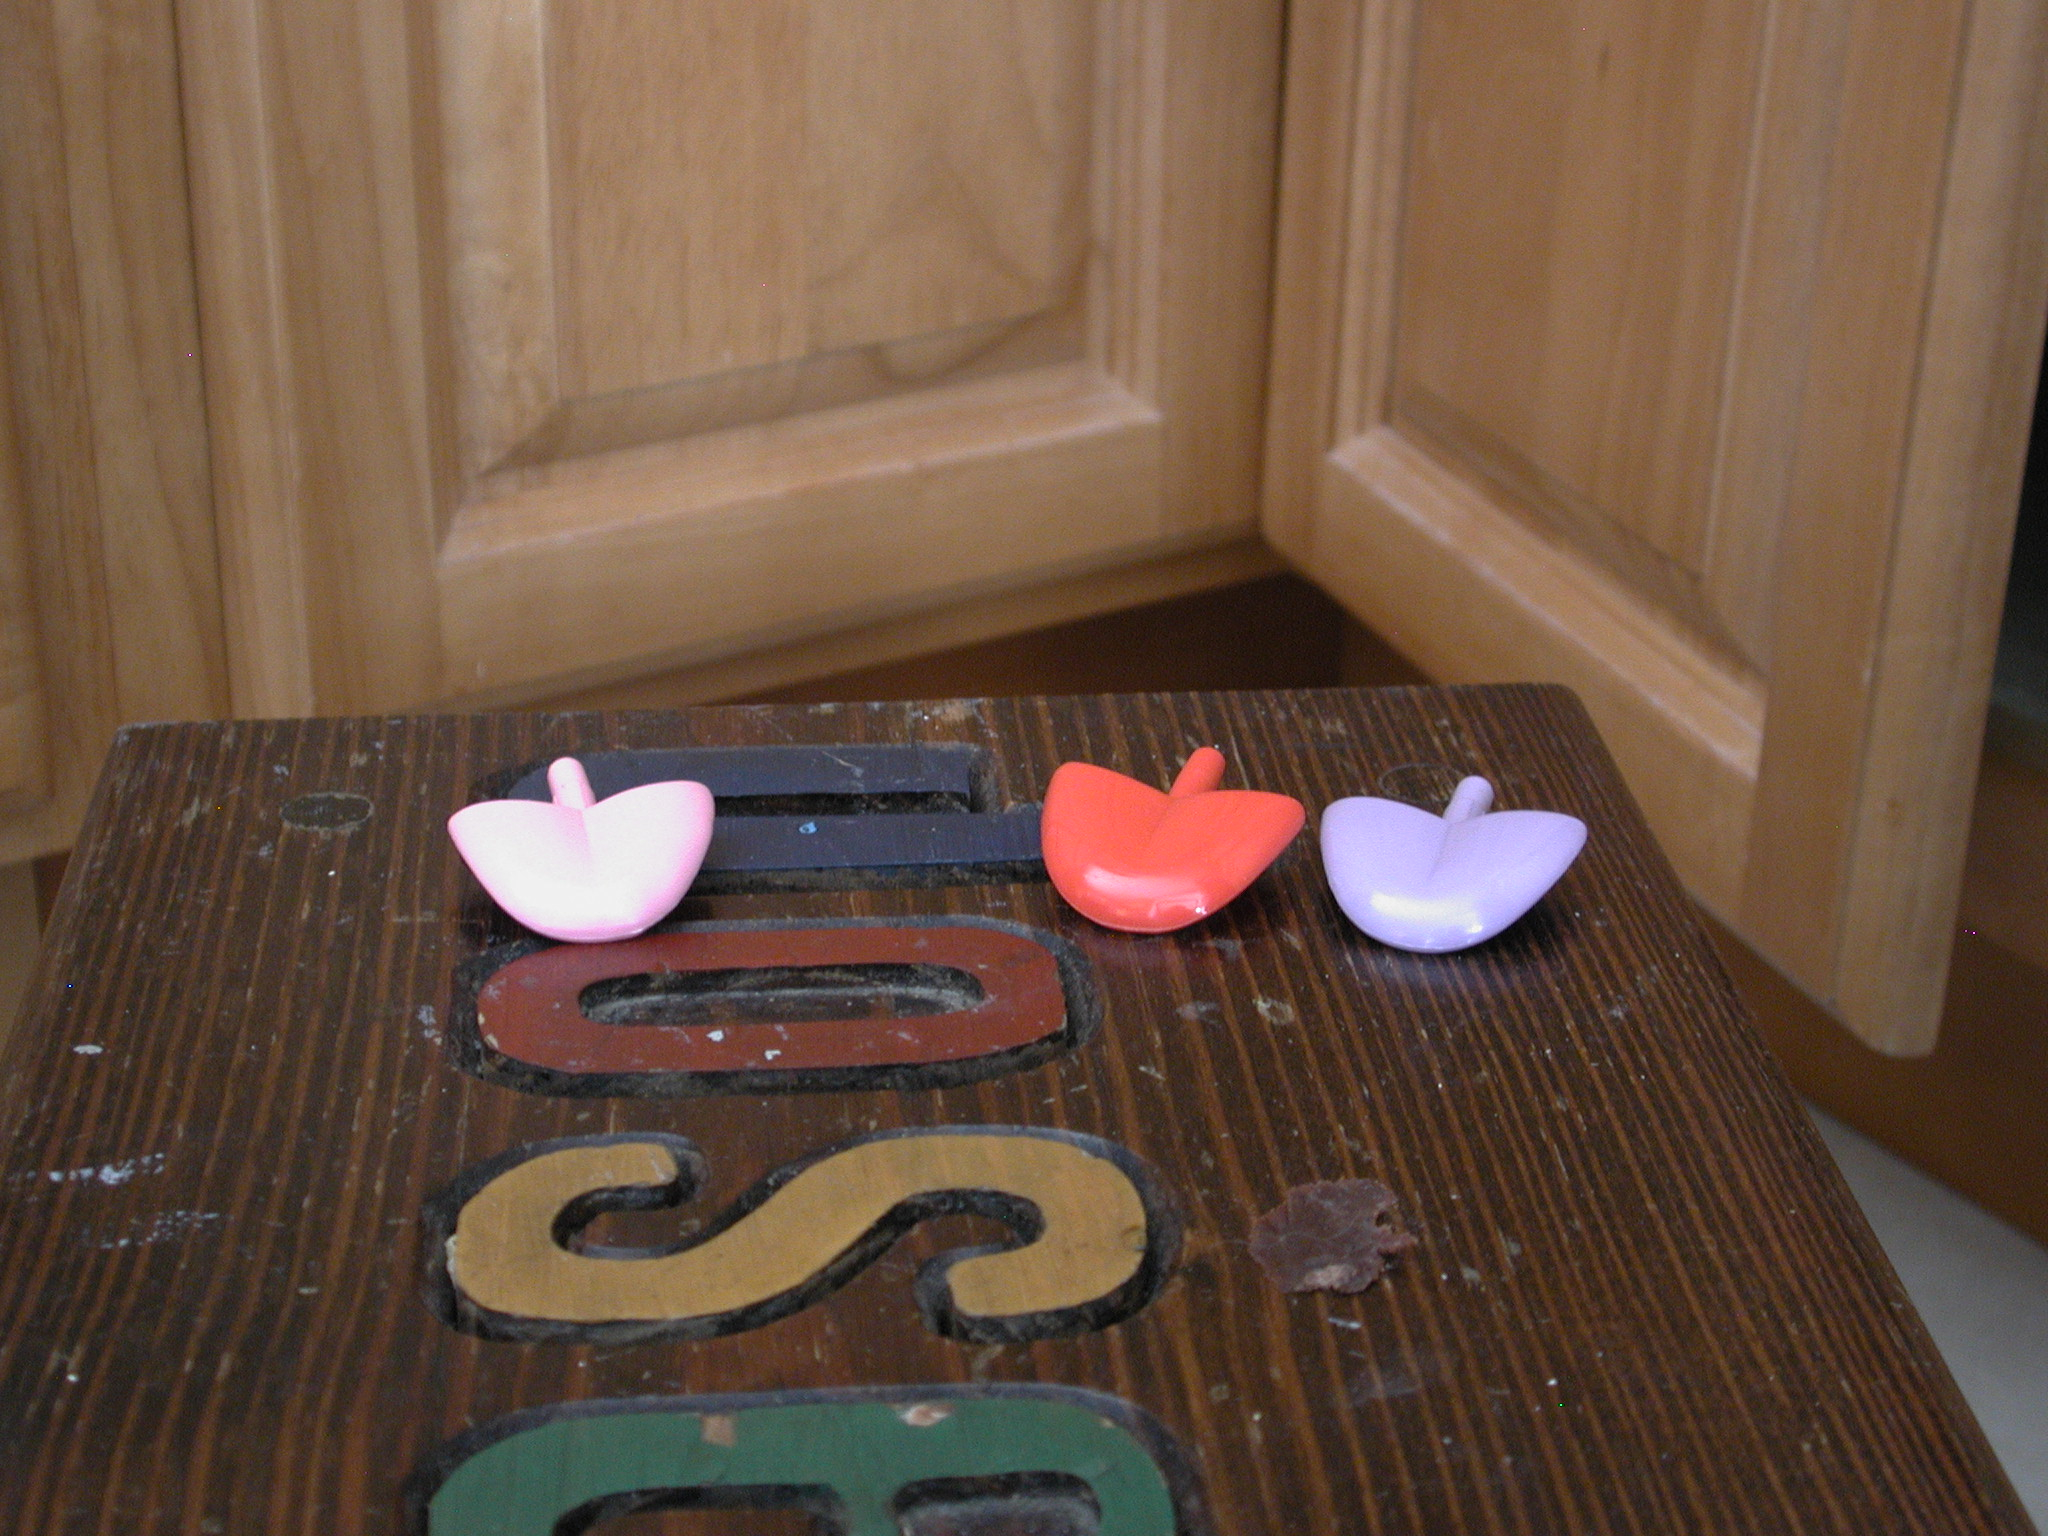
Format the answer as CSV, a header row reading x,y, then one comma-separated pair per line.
x,y
891,502
1401,537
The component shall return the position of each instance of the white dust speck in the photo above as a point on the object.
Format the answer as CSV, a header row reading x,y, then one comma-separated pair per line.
x,y
88,1050
109,1174
162,1227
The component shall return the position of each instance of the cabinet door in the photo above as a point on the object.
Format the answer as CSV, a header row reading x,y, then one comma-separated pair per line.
x,y
548,341
1683,354
109,603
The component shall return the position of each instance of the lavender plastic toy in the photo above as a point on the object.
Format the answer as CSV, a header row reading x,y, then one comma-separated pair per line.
x,y
1439,883
585,869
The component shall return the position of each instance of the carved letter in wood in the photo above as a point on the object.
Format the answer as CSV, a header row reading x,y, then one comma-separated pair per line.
x,y
1094,1241
865,1462
777,1006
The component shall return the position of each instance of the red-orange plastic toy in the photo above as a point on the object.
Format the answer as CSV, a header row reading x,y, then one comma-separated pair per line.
x,y
1135,859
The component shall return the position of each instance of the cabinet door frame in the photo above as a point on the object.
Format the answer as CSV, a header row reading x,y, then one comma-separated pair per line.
x,y
365,570
109,590
1821,813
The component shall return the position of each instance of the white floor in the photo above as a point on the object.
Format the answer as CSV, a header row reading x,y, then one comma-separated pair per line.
x,y
1981,1285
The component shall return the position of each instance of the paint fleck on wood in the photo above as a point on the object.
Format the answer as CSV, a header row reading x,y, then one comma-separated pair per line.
x,y
1336,1235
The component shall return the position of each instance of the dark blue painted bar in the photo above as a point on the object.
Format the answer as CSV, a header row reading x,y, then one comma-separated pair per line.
x,y
873,842
944,768
876,838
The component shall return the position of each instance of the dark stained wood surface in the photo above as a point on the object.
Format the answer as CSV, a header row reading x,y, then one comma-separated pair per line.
x,y
1642,1301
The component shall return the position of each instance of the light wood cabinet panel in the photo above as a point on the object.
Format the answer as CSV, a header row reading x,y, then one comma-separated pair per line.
x,y
109,594
556,341
1683,354
24,747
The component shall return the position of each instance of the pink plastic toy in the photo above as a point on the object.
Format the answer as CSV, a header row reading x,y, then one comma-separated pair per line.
x,y
1438,883
583,869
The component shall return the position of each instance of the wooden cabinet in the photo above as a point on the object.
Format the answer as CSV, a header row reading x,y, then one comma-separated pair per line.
x,y
1683,354
109,589
557,340
1680,354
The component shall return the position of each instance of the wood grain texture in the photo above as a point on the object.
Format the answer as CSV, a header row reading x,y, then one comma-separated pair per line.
x,y
20,941
738,212
110,586
689,330
1966,452
1410,541
888,658
1554,149
1968,1111
816,516
1688,410
678,199
307,185
124,171
1868,359
24,738
1643,1300
947,174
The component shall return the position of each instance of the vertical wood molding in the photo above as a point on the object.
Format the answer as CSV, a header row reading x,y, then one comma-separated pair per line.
x,y
1831,578
248,362
113,597
1311,269
1127,192
1337,259
1792,148
20,940
309,237
24,741
132,241
1837,549
1966,455
45,361
1221,132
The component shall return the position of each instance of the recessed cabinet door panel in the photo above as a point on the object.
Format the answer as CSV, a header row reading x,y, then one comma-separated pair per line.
x,y
1635,346
562,338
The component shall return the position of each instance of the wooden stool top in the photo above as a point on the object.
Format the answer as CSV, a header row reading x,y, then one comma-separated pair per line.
x,y
253,1096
